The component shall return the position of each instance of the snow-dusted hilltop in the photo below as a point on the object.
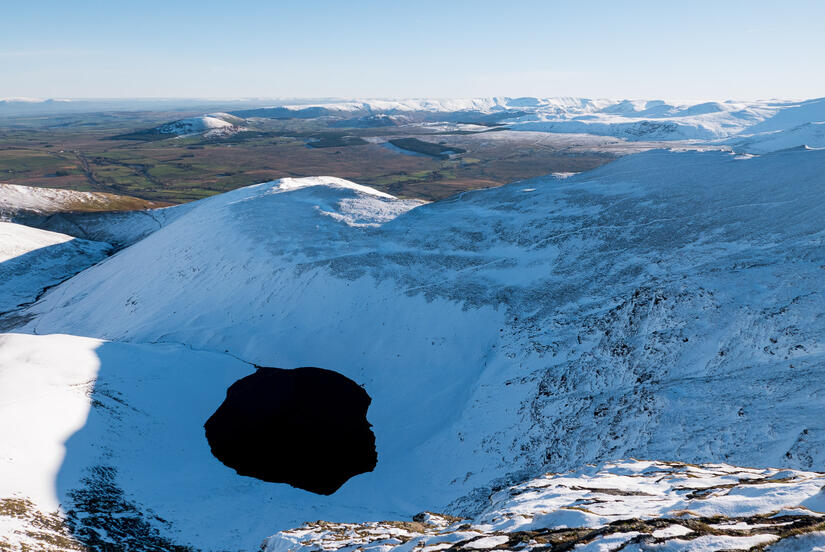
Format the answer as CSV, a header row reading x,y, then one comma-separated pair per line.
x,y
665,306
215,124
212,125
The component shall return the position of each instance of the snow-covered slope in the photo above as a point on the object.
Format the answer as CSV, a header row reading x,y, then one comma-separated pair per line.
x,y
630,505
790,115
667,305
811,135
32,260
81,417
119,228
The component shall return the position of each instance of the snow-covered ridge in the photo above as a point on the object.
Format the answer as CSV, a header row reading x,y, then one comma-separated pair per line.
x,y
811,135
287,184
628,505
95,216
15,198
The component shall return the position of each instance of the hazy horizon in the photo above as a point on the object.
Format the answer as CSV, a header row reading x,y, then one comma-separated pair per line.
x,y
285,100
314,50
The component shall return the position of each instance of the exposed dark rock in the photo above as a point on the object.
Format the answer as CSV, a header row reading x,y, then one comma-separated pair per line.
x,y
306,427
101,518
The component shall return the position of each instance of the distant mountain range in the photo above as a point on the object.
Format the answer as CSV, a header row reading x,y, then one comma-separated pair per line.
x,y
753,127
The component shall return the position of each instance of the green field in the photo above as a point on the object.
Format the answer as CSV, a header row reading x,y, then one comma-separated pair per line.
x,y
99,152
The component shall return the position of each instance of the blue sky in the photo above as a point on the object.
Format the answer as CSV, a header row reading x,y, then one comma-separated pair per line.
x,y
664,49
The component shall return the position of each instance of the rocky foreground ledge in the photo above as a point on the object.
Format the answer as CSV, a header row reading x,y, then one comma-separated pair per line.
x,y
631,505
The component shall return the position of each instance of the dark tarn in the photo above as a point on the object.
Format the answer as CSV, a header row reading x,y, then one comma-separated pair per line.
x,y
306,427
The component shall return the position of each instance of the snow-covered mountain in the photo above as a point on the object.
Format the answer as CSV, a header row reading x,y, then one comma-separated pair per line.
x,y
211,126
665,306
